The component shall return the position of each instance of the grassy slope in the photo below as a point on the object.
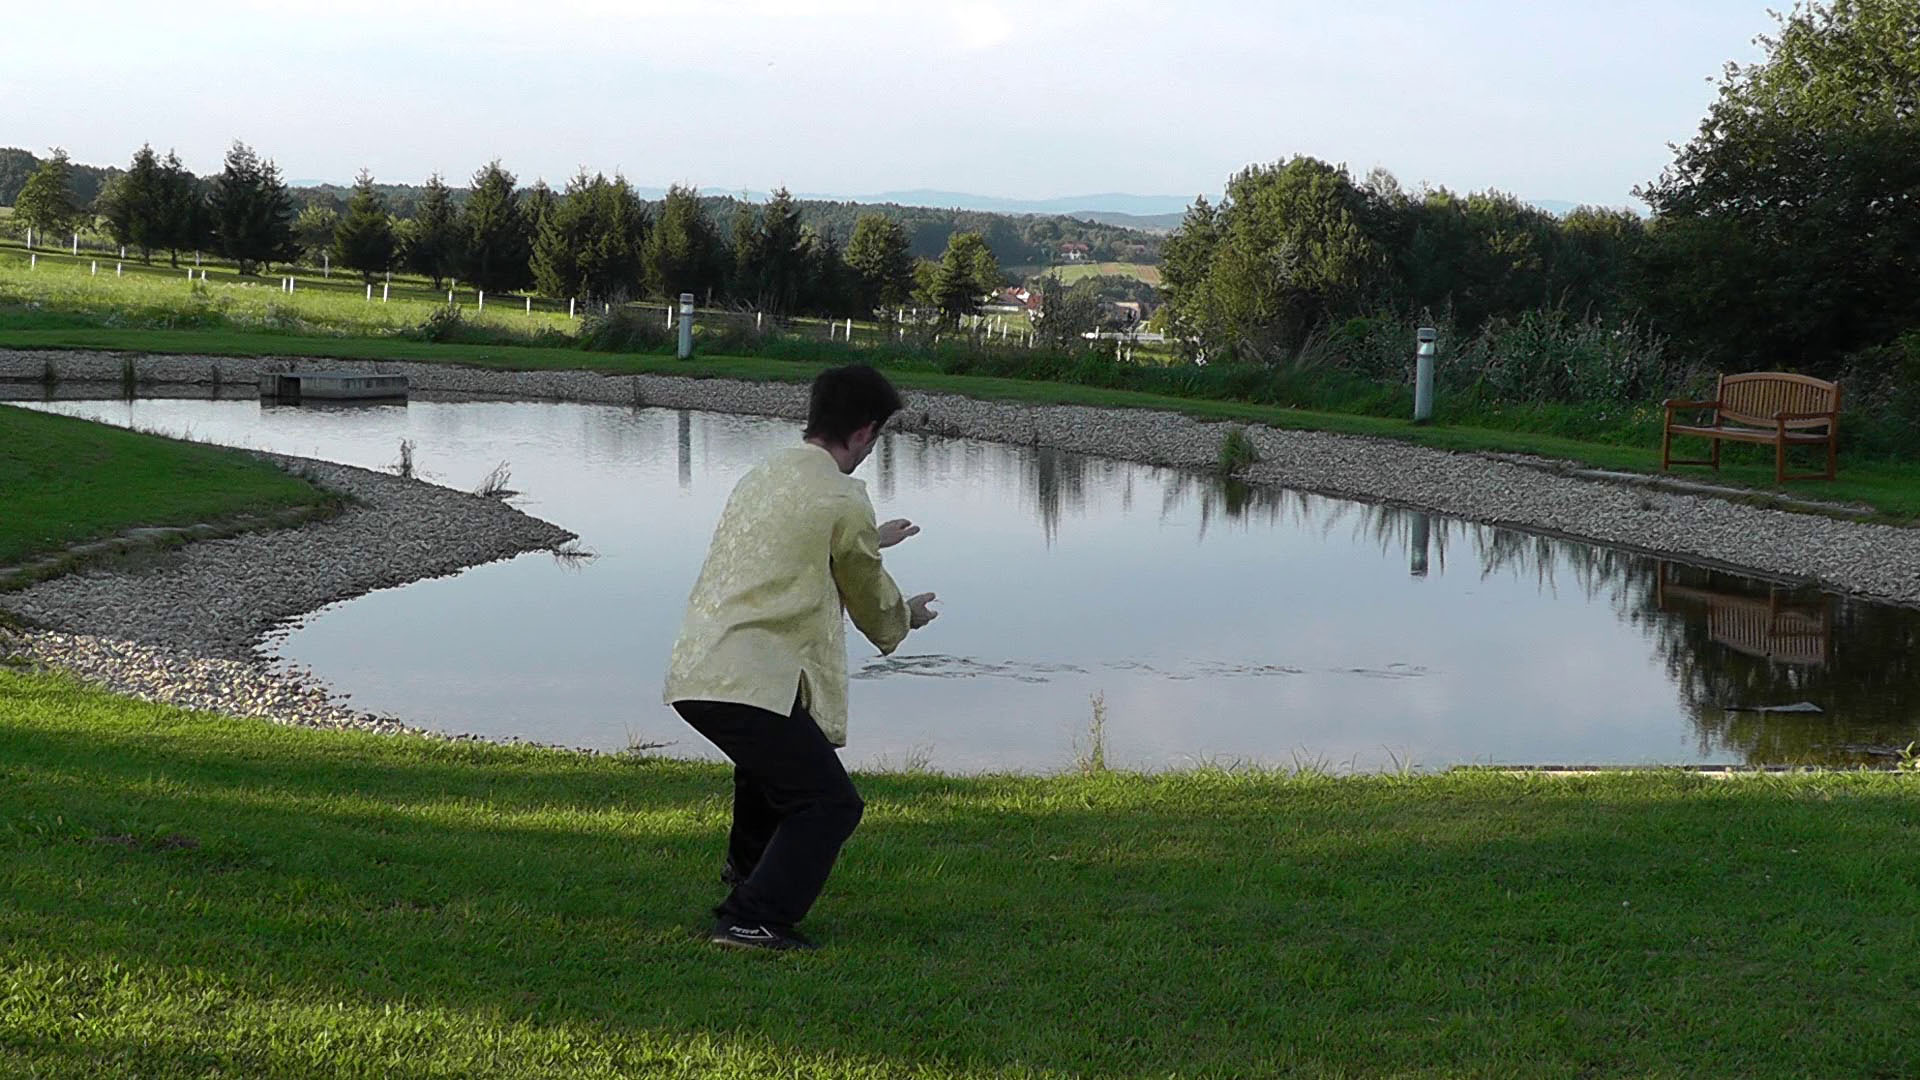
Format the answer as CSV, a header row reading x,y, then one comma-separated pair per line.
x,y
63,481
1893,488
1072,272
191,896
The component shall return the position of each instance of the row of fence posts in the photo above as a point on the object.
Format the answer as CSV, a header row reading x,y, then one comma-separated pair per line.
x,y
835,328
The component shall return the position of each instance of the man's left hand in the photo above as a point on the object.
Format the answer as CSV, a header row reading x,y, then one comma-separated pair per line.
x,y
892,532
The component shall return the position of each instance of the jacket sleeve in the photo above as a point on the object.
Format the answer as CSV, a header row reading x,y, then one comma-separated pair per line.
x,y
866,590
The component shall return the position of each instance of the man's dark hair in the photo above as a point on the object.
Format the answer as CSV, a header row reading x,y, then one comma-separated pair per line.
x,y
846,399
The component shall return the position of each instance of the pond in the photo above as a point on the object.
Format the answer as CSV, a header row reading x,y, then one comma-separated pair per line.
x,y
1215,623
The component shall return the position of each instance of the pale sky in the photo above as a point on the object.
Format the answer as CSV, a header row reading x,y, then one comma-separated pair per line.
x,y
1547,99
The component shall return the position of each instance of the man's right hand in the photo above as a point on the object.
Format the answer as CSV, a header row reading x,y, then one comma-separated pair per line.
x,y
918,613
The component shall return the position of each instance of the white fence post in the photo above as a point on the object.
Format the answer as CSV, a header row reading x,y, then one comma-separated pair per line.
x,y
569,307
326,265
76,243
369,292
383,291
480,300
529,305
29,238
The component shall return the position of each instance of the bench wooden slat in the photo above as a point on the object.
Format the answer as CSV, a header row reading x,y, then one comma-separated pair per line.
x,y
1774,407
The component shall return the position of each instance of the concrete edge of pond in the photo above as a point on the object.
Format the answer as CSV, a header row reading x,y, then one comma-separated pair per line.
x,y
1870,560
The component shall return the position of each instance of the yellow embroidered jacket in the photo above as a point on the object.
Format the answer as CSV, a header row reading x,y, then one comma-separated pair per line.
x,y
796,546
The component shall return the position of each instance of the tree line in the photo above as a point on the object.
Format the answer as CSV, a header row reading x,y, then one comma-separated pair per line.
x,y
1783,235
595,240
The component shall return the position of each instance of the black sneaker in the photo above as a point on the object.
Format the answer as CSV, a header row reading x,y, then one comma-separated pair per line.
x,y
739,935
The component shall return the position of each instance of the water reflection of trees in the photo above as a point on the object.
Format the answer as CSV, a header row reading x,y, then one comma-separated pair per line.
x,y
1730,643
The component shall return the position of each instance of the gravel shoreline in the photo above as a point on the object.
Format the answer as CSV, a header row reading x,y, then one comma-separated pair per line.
x,y
1873,561
193,626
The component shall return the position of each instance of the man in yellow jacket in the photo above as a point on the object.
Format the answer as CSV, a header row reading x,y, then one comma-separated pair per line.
x,y
760,666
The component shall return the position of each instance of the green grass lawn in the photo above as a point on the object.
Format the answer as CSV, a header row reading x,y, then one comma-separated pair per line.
x,y
63,481
189,896
1891,487
1072,272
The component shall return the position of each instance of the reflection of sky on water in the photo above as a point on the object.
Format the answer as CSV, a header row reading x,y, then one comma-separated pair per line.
x,y
1220,624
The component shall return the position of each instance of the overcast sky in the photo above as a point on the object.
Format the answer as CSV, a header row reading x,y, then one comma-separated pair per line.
x,y
1547,99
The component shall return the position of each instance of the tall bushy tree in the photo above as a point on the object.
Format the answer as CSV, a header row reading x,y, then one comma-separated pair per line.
x,y
828,285
591,242
363,240
880,255
496,238
252,213
683,250
47,203
436,246
314,228
133,206
967,272
769,255
1786,229
186,212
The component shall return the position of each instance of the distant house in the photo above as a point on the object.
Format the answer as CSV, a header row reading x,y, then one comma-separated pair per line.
x,y
1074,251
1126,313
1019,298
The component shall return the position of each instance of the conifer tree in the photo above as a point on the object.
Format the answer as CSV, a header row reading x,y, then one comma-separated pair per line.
x,y
363,240
251,211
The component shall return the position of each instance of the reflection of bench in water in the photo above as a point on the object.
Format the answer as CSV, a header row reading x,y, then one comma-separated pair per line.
x,y
1766,627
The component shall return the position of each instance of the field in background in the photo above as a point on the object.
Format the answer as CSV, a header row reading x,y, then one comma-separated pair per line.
x,y
1072,272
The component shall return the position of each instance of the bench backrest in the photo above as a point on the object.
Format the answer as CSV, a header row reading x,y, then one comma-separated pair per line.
x,y
1755,397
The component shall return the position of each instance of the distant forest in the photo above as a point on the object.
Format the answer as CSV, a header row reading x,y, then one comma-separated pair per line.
x,y
1014,239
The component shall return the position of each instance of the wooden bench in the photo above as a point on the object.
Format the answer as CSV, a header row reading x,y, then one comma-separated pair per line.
x,y
1763,407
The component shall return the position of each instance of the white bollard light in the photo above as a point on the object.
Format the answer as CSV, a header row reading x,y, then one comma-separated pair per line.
x,y
569,307
449,296
383,292
1423,375
76,243
29,238
480,299
118,268
529,305
326,265
123,251
93,268
369,292
686,325
33,260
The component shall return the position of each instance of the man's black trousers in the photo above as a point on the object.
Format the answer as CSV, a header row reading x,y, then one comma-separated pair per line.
x,y
793,807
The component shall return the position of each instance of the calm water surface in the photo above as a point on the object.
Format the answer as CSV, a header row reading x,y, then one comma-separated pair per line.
x,y
1218,624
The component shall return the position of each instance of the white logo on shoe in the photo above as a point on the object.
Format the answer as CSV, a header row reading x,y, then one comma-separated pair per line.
x,y
751,933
